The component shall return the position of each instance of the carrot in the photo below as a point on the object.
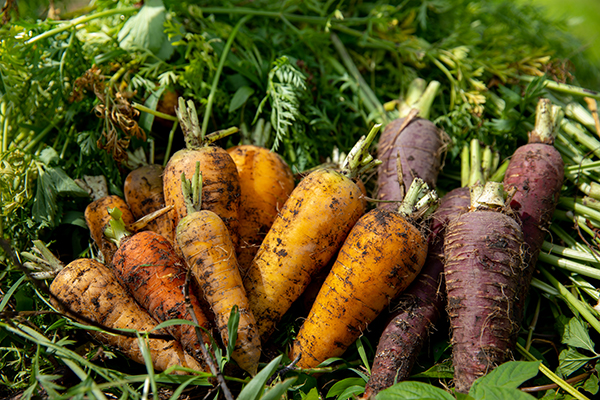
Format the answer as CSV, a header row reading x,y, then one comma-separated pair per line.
x,y
266,182
146,264
381,256
143,191
90,289
535,174
221,192
306,234
420,305
206,244
483,249
98,218
418,142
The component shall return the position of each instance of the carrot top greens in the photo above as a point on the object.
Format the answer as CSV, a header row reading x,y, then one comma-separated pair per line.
x,y
83,92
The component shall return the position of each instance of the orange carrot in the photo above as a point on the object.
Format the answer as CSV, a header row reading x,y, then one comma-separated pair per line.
x,y
209,251
307,233
90,289
147,265
381,256
97,218
143,190
266,182
221,180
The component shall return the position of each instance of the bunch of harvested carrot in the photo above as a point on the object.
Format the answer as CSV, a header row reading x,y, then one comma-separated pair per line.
x,y
266,182
416,140
143,189
307,233
381,256
221,191
147,265
209,251
90,289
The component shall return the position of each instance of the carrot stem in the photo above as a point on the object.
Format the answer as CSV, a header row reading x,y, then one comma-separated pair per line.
x,y
359,160
213,88
192,190
552,376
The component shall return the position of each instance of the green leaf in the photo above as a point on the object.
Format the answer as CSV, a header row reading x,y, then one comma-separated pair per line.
x,y
500,393
409,390
240,97
7,296
340,386
351,391
64,185
254,388
570,360
44,206
48,156
508,375
313,394
147,119
438,371
278,390
576,335
232,329
363,355
591,384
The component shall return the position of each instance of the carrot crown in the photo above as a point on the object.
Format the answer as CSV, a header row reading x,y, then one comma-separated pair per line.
x,y
419,201
490,196
116,230
192,133
192,190
547,121
419,96
42,263
359,161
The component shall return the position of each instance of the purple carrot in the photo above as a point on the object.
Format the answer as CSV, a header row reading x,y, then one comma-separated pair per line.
x,y
418,143
535,176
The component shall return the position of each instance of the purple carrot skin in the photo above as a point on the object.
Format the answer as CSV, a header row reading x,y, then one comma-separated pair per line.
x,y
535,175
418,142
420,306
483,249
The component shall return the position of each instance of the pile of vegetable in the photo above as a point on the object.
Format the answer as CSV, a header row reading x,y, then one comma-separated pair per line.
x,y
303,200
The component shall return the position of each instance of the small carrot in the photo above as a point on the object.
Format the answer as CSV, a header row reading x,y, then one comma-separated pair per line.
x,y
143,191
205,242
305,236
382,255
266,182
221,190
90,289
147,265
98,218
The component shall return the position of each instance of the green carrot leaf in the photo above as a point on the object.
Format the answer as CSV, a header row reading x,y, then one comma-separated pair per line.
x,y
409,390
576,334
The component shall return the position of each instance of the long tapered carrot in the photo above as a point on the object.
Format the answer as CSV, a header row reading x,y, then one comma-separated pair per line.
x,y
205,242
90,289
381,256
307,233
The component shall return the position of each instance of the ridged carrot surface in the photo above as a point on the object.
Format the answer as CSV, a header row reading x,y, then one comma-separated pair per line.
x,y
307,233
89,288
209,251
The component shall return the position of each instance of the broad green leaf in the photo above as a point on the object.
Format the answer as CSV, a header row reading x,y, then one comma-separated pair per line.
x,y
145,31
64,185
409,390
278,390
508,375
485,392
570,360
352,391
576,335
254,388
48,156
591,384
313,394
240,97
44,206
438,371
147,119
340,386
